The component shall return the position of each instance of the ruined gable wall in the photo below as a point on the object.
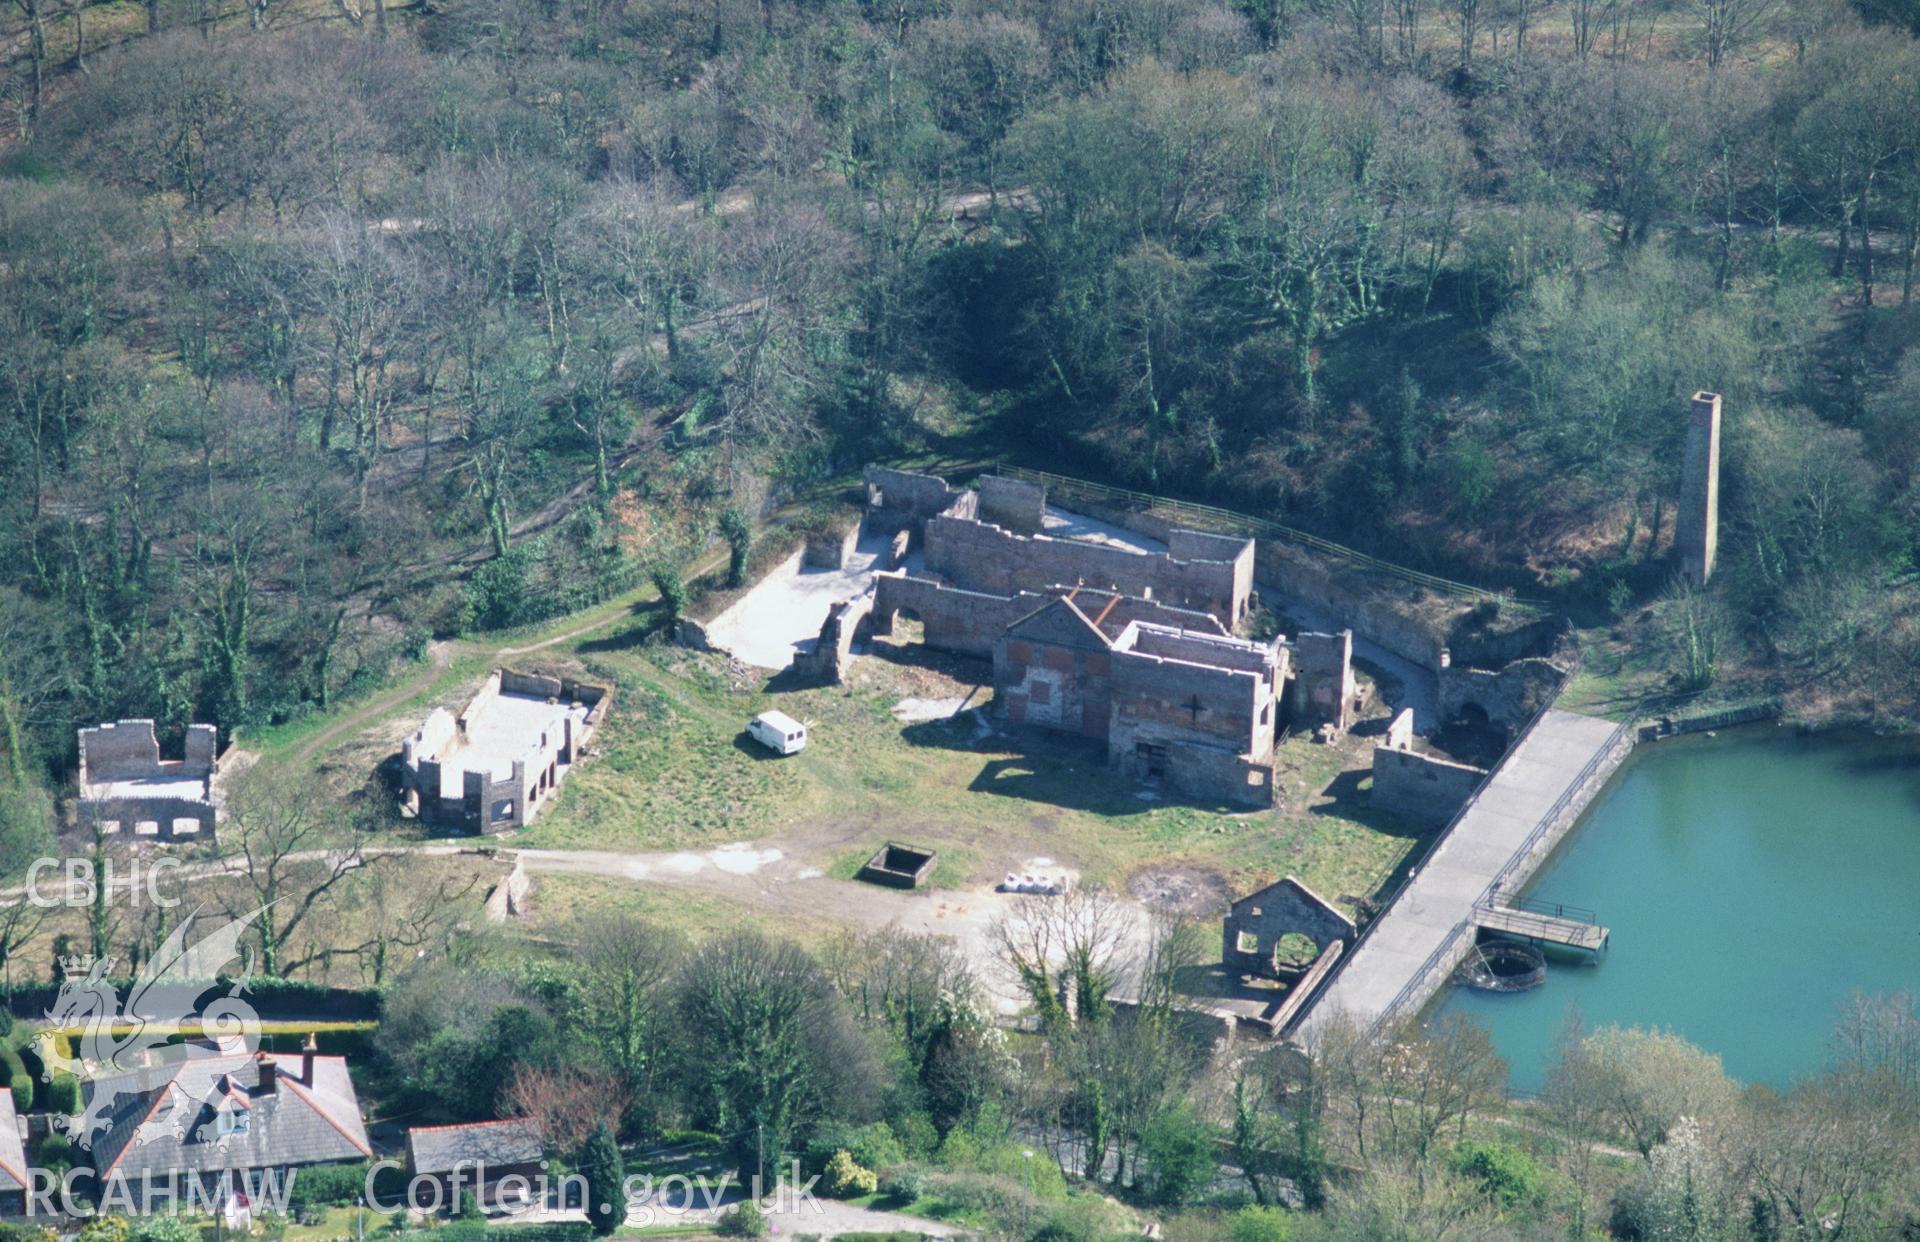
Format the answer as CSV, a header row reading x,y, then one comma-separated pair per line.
x,y
1286,907
1053,685
1019,507
123,751
961,621
1154,701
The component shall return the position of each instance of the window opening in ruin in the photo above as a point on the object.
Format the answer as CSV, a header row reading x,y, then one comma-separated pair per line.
x,y
1294,950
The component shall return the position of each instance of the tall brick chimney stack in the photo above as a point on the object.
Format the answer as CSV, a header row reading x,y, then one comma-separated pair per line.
x,y
1696,532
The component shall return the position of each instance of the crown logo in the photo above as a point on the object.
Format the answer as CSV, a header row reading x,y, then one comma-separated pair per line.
x,y
77,964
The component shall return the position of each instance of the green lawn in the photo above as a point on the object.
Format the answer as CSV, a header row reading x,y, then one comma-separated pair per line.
x,y
338,1222
673,771
677,773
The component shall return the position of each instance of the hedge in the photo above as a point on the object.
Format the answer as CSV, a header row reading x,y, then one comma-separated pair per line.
x,y
872,1146
18,1079
270,997
327,1185
63,1094
480,1231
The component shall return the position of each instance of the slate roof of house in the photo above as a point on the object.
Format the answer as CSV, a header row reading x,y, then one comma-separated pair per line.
x,y
437,1149
13,1156
165,1118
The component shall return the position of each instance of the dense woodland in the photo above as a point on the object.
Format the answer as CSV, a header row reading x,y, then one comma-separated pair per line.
x,y
328,330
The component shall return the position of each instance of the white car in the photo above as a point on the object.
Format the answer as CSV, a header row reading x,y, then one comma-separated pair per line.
x,y
778,732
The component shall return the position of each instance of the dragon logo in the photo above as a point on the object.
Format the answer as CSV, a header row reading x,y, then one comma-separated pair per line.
x,y
92,1036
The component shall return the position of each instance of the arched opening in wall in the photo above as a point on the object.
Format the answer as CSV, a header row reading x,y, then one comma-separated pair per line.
x,y
1294,951
1471,736
908,626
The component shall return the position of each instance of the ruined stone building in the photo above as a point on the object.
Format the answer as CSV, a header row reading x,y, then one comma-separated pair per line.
x,y
492,767
1253,932
1420,786
1133,647
126,787
1193,708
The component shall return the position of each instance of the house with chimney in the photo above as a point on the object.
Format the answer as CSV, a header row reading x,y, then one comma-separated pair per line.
x,y
200,1130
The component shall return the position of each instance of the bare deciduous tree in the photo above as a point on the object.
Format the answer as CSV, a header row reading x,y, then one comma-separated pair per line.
x,y
1066,951
567,1105
1433,1076
294,858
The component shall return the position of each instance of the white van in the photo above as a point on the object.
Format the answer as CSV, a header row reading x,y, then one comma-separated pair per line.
x,y
778,732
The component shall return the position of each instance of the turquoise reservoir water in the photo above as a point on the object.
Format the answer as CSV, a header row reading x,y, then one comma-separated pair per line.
x,y
1752,882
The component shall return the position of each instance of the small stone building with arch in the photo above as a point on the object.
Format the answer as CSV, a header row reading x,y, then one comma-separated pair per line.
x,y
1256,923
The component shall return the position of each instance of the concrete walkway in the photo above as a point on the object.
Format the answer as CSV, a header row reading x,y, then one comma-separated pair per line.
x,y
782,614
1442,895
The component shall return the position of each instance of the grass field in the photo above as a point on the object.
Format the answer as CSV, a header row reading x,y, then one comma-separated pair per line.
x,y
671,772
677,774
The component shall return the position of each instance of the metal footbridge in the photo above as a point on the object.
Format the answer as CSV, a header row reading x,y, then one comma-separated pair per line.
x,y
1543,922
